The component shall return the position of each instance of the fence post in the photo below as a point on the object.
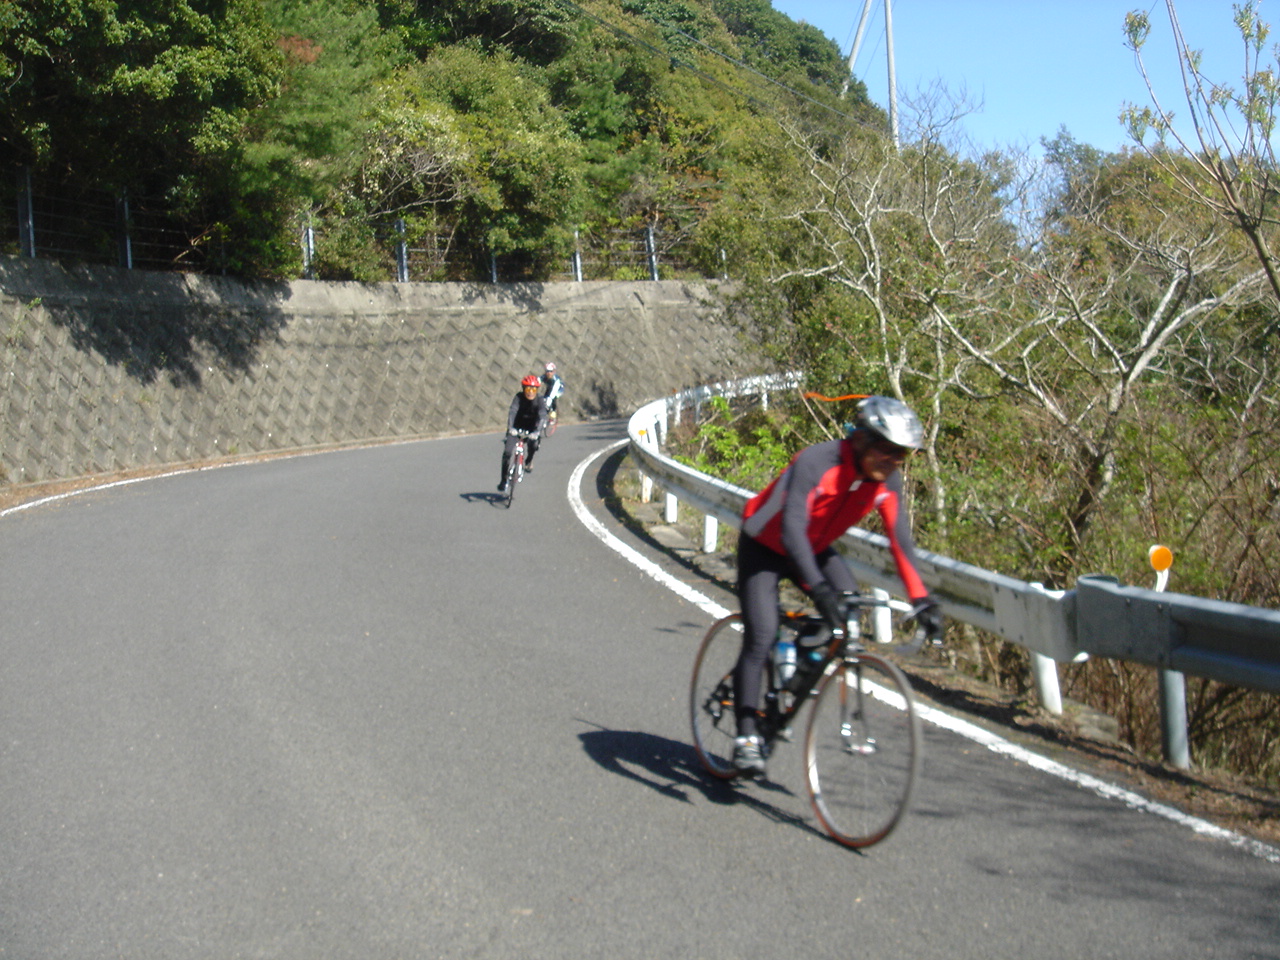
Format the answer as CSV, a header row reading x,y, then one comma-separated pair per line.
x,y
308,249
577,258
1173,685
123,240
402,253
652,248
26,214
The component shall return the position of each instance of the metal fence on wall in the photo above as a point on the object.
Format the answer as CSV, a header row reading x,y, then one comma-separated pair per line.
x,y
93,226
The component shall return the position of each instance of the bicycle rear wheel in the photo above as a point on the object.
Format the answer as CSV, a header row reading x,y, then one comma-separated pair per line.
x,y
862,750
711,697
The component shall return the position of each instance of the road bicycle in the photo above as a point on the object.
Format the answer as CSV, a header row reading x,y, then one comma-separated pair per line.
x,y
862,744
515,466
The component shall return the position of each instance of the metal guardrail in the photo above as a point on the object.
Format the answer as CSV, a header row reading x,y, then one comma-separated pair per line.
x,y
1023,613
1229,642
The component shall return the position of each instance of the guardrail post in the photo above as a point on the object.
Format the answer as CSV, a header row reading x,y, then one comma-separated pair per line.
x,y
1044,674
1173,719
710,534
1173,685
646,481
671,513
1044,670
881,618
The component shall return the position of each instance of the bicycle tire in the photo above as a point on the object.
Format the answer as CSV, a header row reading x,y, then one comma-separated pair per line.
x,y
513,473
862,750
711,697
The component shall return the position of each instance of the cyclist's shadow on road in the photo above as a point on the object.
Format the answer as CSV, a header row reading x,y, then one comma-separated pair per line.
x,y
672,769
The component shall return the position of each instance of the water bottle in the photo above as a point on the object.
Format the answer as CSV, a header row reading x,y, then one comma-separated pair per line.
x,y
784,660
810,652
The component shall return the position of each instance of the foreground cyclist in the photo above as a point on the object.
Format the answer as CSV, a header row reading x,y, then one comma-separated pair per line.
x,y
790,527
528,412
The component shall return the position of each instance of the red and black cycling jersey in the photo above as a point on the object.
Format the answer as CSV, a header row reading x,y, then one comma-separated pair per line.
x,y
820,496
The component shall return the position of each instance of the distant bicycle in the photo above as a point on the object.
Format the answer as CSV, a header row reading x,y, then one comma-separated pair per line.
x,y
862,745
515,466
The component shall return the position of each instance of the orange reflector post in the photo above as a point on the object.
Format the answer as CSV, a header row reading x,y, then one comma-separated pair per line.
x,y
1161,558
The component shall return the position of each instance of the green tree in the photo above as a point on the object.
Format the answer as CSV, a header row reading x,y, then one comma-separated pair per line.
x,y
520,172
773,42
539,31
131,95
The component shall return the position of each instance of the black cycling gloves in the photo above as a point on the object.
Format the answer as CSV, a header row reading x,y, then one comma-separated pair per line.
x,y
926,613
827,599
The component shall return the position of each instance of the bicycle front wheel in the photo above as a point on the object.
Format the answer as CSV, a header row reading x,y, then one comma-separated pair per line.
x,y
862,750
711,697
513,474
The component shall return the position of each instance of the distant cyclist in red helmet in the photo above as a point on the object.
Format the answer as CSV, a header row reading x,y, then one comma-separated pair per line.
x,y
528,412
789,530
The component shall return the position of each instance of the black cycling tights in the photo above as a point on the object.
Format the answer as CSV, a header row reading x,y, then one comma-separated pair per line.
x,y
760,573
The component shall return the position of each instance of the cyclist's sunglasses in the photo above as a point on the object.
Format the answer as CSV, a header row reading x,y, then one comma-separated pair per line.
x,y
891,450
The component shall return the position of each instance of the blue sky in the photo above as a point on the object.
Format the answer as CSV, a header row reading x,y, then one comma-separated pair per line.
x,y
1035,65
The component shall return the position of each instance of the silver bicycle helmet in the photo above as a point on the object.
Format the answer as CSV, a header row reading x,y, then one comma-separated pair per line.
x,y
890,420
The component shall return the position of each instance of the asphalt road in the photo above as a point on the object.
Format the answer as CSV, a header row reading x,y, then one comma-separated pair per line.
x,y
346,706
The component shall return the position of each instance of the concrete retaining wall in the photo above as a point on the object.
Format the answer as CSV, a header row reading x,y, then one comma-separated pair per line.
x,y
115,369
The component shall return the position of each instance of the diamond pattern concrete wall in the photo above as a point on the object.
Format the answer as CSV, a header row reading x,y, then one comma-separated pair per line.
x,y
115,369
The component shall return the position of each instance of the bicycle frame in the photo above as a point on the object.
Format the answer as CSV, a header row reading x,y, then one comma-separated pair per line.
x,y
843,647
515,468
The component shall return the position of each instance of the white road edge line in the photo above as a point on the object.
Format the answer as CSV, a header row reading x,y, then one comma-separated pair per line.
x,y
681,589
993,742
53,498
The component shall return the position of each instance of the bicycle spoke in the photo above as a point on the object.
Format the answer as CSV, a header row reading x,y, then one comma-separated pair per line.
x,y
862,751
